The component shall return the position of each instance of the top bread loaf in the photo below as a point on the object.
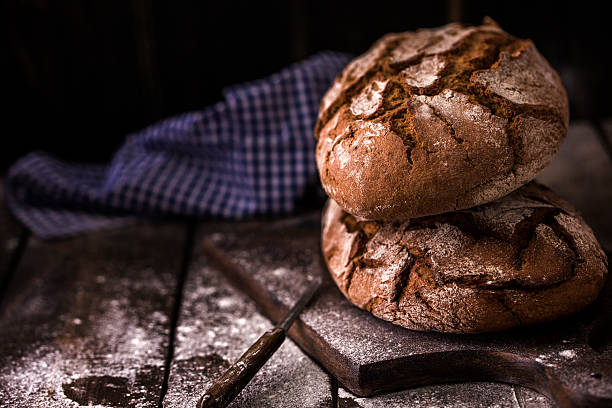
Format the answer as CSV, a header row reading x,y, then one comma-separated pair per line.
x,y
438,120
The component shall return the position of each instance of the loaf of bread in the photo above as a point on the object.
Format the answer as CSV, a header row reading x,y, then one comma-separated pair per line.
x,y
438,120
523,259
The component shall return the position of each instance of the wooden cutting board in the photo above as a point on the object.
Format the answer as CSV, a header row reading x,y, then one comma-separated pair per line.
x,y
570,360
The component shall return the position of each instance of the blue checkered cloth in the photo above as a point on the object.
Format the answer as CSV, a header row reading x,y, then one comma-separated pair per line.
x,y
251,154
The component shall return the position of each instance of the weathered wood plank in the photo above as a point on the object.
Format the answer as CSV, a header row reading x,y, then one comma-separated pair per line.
x,y
86,321
369,356
464,395
216,325
582,173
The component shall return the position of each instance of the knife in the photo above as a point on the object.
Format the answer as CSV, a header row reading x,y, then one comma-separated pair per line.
x,y
239,374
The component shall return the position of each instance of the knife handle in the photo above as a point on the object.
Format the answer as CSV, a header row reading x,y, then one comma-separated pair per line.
x,y
238,375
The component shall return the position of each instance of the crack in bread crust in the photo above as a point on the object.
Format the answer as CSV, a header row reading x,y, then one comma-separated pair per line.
x,y
457,75
464,61
526,231
523,259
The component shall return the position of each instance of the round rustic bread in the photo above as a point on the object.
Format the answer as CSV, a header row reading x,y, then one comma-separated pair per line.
x,y
438,120
523,259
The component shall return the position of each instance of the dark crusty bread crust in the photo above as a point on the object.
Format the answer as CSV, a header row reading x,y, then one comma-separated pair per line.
x,y
438,120
523,259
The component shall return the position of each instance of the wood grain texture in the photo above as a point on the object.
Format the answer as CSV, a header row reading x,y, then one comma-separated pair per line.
x,y
582,173
86,321
462,395
271,261
216,325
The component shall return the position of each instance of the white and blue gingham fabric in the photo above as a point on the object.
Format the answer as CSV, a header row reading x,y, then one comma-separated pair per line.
x,y
251,154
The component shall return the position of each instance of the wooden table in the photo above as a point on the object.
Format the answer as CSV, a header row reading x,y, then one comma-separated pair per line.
x,y
136,316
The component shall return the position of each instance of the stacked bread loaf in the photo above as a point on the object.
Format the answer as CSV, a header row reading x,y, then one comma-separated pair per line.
x,y
426,145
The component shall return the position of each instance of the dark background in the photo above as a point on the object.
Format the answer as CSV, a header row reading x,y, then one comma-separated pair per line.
x,y
77,76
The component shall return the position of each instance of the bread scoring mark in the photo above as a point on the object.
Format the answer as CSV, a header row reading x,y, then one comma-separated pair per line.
x,y
369,100
425,73
480,51
444,105
411,46
405,260
461,116
459,47
353,79
477,49
426,42
508,307
524,78
450,36
401,278
341,154
401,125
525,231
452,236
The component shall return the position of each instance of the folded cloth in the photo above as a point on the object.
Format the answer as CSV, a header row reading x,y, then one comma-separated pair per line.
x,y
251,154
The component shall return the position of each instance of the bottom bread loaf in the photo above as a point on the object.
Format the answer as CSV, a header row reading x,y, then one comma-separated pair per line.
x,y
523,259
